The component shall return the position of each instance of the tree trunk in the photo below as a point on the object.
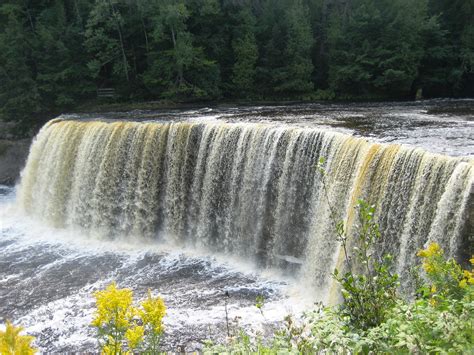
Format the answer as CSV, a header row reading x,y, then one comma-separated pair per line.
x,y
180,78
122,47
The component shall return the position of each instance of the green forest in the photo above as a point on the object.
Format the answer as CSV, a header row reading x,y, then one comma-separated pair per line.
x,y
56,54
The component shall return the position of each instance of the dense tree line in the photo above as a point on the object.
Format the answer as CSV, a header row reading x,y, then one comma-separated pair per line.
x,y
54,54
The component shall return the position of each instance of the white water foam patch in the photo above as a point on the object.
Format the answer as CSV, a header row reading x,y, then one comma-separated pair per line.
x,y
63,324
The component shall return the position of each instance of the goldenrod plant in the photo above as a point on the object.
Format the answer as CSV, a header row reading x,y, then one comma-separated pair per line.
x,y
447,278
439,320
122,327
152,311
12,343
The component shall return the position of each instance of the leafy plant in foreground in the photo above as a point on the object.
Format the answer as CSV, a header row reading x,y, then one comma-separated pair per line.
x,y
368,295
440,320
12,343
119,322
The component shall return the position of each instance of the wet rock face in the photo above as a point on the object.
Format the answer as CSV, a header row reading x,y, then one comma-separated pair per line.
x,y
13,154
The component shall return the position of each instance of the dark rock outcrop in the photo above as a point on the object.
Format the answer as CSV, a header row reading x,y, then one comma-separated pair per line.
x,y
13,155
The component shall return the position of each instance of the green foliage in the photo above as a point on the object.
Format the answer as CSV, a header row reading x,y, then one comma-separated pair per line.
x,y
19,94
448,281
295,75
447,66
242,343
287,40
178,68
101,40
260,302
62,79
376,47
418,327
369,295
55,54
244,46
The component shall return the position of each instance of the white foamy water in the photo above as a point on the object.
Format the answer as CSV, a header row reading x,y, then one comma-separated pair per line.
x,y
48,276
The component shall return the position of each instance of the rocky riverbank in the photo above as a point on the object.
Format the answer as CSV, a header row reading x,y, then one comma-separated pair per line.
x,y
13,154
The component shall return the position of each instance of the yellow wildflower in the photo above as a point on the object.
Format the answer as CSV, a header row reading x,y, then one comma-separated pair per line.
x,y
422,253
433,289
108,350
468,276
11,342
154,310
432,302
134,336
433,249
463,283
113,349
472,260
114,307
429,268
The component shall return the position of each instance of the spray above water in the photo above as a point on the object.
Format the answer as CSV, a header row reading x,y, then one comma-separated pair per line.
x,y
247,189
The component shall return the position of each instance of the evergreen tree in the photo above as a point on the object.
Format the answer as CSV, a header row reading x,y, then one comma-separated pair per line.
x,y
295,76
447,69
177,67
19,96
63,79
285,33
320,11
376,47
105,42
245,53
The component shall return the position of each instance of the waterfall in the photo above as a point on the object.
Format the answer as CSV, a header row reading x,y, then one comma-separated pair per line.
x,y
248,189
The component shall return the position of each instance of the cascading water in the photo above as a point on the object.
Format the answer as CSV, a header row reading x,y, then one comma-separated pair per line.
x,y
247,189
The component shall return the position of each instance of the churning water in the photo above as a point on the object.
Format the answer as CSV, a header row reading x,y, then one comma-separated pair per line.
x,y
48,275
191,206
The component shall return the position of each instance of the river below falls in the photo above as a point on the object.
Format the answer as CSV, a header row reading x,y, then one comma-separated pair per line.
x,y
48,276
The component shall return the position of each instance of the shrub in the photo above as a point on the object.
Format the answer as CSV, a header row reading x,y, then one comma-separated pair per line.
x,y
12,343
119,322
439,320
369,295
447,280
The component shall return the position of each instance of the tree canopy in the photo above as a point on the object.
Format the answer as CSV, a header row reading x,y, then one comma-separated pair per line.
x,y
55,54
